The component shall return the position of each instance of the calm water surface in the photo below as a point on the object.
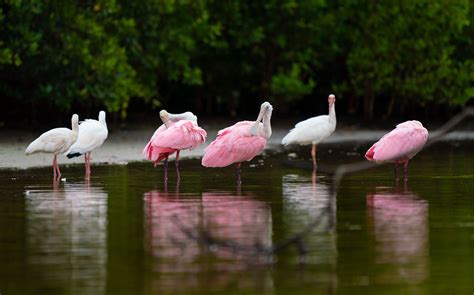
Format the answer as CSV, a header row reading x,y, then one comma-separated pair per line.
x,y
128,232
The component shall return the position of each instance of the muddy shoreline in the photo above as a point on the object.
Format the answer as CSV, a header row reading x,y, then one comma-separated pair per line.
x,y
123,147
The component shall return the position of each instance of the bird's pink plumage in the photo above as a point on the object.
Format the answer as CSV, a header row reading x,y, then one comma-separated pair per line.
x,y
180,135
400,144
234,144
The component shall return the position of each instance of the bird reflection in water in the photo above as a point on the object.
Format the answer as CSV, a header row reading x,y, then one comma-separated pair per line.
x,y
398,219
67,235
304,201
307,203
176,227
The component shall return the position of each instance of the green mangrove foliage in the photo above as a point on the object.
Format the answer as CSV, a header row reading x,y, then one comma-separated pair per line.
x,y
221,56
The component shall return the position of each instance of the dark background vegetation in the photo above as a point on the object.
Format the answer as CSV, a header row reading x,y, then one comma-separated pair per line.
x,y
384,60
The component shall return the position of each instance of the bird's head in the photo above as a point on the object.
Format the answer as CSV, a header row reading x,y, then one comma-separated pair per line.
x,y
265,115
331,99
189,116
75,123
164,115
266,108
102,117
75,119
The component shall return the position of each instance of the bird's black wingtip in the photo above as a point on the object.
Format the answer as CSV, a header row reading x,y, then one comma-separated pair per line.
x,y
73,155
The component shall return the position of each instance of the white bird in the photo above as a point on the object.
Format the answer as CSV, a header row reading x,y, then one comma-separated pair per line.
x,y
92,134
313,130
55,141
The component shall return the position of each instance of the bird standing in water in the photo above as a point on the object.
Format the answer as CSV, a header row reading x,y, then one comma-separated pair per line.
x,y
55,141
240,142
178,132
92,134
313,130
399,145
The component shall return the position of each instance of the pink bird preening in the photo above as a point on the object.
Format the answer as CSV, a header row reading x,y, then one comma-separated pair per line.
x,y
399,145
240,142
178,132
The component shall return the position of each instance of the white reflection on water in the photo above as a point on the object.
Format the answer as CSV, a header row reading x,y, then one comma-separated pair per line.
x,y
399,221
66,232
222,215
305,200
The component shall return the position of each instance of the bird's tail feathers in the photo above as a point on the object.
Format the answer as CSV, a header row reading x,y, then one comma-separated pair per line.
x,y
73,155
287,140
370,154
30,149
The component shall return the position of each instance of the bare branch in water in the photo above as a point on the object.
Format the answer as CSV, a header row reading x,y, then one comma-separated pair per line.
x,y
436,135
203,237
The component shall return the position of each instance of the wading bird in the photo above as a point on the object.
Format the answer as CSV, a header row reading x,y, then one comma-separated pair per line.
x,y
313,130
178,132
240,142
92,134
399,145
55,141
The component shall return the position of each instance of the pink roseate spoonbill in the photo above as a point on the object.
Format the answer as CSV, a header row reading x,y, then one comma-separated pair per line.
x,y
178,132
240,142
55,141
399,145
313,130
92,134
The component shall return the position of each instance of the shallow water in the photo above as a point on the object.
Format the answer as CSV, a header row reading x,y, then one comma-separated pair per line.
x,y
127,232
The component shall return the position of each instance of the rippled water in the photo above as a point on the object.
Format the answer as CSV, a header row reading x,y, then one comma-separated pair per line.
x,y
128,232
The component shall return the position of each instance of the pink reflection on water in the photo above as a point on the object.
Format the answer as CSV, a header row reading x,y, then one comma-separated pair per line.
x,y
399,221
239,219
164,238
221,215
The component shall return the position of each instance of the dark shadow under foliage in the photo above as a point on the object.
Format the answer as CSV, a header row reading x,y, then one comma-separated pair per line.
x,y
220,58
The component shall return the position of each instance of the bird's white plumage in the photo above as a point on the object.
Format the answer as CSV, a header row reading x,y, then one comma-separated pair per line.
x,y
55,141
310,131
92,134
313,130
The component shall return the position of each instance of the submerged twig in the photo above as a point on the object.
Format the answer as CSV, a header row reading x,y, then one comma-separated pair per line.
x,y
204,237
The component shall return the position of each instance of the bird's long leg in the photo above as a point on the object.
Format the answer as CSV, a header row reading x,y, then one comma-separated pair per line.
x,y
395,171
165,168
165,184
89,164
55,183
87,159
55,162
313,178
313,154
58,174
405,171
85,164
59,171
238,173
177,165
